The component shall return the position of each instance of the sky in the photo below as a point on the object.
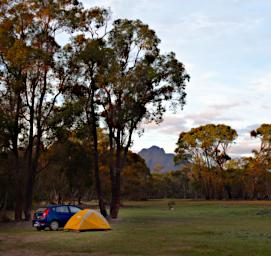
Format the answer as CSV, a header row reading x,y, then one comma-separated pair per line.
x,y
225,46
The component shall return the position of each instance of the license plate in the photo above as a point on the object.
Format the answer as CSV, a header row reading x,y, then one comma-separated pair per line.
x,y
36,224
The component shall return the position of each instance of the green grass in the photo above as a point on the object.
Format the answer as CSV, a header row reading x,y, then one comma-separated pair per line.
x,y
148,228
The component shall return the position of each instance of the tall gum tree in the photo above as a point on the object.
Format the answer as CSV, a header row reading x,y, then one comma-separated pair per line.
x,y
121,80
87,59
45,78
135,89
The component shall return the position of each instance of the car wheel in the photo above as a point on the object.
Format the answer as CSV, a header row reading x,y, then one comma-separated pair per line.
x,y
54,225
40,228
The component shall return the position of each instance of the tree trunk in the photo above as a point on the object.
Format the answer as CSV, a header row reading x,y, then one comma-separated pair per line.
x,y
18,209
33,157
32,172
98,187
59,198
96,160
228,190
115,193
98,181
28,198
112,174
119,165
29,182
79,198
115,197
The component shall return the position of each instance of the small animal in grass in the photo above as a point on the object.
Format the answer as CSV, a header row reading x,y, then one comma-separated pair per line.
x,y
171,205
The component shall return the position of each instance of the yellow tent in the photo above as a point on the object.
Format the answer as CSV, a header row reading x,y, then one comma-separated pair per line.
x,y
87,220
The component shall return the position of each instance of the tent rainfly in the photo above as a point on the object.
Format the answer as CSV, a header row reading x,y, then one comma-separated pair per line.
x,y
87,220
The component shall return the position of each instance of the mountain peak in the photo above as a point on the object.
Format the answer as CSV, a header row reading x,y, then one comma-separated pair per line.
x,y
157,160
154,149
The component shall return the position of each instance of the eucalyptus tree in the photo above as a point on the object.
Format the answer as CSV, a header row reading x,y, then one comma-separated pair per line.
x,y
121,80
87,58
31,80
206,147
207,144
135,90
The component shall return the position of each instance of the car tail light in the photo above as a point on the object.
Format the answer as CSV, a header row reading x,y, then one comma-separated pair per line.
x,y
45,213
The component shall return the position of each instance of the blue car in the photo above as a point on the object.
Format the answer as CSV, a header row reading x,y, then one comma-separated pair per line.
x,y
53,216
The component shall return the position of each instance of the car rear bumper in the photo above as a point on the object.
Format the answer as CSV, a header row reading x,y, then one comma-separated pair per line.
x,y
39,223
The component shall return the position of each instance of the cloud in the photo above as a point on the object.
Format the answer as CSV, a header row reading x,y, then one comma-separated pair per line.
x,y
262,84
244,147
213,114
170,125
206,117
265,106
200,26
245,131
174,124
119,8
225,106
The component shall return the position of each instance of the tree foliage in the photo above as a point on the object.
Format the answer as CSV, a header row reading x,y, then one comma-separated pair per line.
x,y
206,145
206,148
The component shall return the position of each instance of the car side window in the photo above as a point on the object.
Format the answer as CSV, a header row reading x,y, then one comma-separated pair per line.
x,y
74,209
62,209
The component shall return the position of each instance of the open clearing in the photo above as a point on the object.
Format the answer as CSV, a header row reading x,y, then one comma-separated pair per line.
x,y
228,228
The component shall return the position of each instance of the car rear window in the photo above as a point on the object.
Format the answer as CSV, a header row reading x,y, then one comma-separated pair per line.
x,y
62,209
74,209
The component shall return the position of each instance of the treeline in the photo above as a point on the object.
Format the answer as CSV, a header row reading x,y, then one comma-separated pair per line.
x,y
212,174
54,98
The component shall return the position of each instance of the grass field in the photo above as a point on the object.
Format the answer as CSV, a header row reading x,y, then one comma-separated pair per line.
x,y
148,228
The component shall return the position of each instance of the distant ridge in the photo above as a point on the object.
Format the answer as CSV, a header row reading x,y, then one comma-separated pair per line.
x,y
158,160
